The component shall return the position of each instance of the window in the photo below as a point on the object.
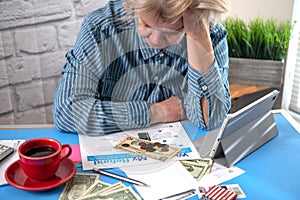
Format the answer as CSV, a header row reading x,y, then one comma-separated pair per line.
x,y
295,98
291,91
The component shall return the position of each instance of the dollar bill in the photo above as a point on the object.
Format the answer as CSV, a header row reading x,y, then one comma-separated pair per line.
x,y
89,187
201,161
208,161
113,187
198,167
155,150
78,185
196,170
98,187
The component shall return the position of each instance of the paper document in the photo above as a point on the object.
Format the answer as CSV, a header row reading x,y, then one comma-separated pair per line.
x,y
10,159
220,174
167,180
99,152
164,182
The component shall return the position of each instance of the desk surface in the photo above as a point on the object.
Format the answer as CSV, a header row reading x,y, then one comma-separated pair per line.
x,y
272,171
239,90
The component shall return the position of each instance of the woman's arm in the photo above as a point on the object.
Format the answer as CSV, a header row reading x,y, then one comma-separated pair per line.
x,y
208,77
81,104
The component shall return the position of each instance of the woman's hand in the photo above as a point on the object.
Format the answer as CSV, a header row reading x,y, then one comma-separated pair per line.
x,y
200,50
196,24
169,110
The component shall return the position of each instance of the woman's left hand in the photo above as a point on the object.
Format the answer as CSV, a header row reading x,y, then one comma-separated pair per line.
x,y
196,24
199,45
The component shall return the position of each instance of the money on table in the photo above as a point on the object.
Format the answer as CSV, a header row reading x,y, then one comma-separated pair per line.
x,y
100,152
88,187
155,150
198,167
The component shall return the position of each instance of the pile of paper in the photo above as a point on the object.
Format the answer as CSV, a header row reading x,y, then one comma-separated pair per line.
x,y
100,152
167,160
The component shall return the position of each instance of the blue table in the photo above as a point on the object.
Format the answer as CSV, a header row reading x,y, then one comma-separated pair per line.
x,y
272,171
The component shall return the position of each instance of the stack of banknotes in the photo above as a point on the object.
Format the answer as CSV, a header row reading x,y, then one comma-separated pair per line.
x,y
89,187
198,167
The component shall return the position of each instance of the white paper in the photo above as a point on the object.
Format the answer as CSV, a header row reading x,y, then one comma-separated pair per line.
x,y
166,181
220,174
99,151
10,159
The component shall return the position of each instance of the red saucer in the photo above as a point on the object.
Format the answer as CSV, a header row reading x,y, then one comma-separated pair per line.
x,y
16,177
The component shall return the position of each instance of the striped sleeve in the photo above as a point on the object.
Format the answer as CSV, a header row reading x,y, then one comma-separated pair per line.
x,y
213,85
76,106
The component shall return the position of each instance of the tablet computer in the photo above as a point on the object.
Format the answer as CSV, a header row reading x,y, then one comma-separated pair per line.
x,y
241,132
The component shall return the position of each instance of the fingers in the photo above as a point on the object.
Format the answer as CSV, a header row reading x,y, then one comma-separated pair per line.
x,y
174,110
169,110
199,45
196,22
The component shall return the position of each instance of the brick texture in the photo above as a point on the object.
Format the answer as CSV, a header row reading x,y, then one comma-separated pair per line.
x,y
34,37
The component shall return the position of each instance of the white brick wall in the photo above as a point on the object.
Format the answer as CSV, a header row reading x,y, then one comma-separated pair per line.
x,y
34,37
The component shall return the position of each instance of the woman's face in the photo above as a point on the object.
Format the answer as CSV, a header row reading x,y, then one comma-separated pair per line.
x,y
159,34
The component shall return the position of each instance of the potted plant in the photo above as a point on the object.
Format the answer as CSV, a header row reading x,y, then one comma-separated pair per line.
x,y
257,50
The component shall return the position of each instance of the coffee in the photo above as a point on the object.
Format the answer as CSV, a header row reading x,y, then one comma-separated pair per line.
x,y
40,158
40,151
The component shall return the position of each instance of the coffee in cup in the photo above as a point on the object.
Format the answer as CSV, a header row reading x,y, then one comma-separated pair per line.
x,y
40,157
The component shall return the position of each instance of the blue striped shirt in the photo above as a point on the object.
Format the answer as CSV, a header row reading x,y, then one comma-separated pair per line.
x,y
112,75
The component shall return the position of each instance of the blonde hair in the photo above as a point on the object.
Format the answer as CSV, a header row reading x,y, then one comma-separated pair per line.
x,y
172,10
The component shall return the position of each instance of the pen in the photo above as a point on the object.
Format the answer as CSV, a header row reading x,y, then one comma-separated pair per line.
x,y
185,193
130,180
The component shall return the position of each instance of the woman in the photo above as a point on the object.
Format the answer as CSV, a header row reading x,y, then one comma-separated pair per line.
x,y
141,62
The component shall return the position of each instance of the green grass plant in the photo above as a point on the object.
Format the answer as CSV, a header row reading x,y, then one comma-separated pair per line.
x,y
258,38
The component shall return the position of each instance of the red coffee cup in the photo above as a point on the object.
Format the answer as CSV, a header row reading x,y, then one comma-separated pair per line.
x,y
40,157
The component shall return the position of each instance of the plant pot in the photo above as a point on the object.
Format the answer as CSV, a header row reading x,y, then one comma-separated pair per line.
x,y
256,72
